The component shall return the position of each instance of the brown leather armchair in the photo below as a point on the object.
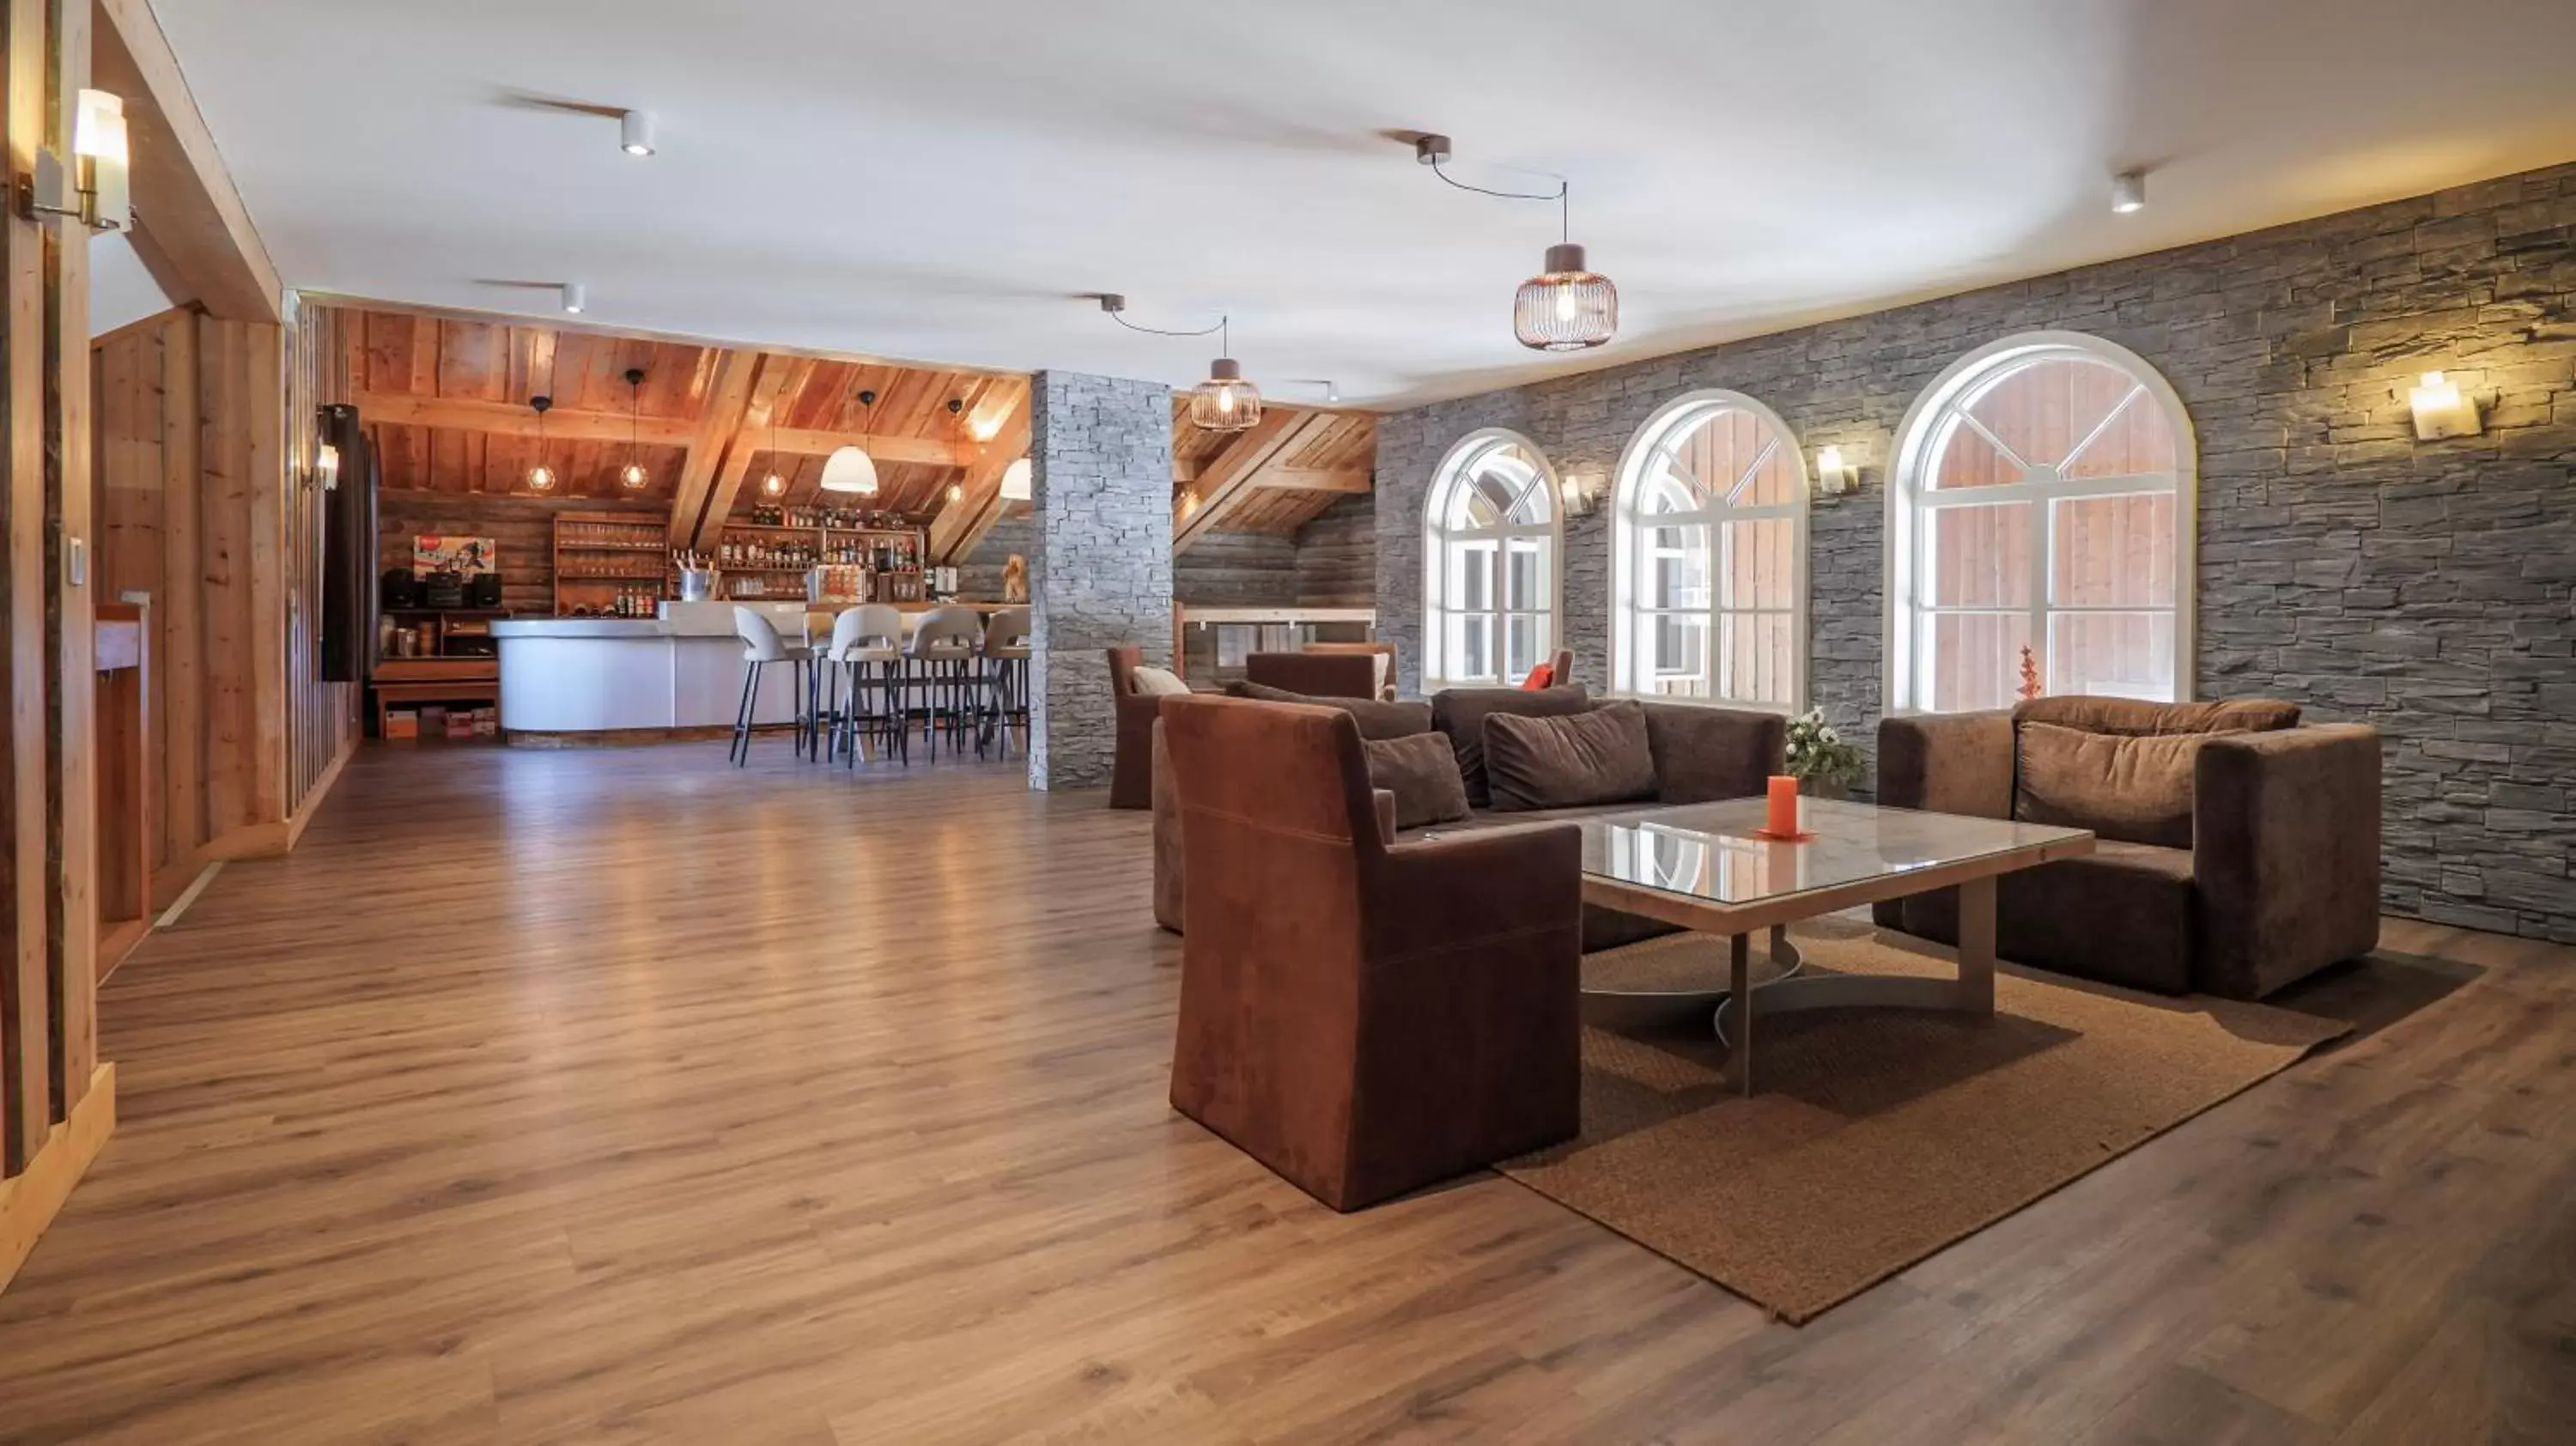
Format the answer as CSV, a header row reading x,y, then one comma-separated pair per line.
x,y
1363,1018
1131,768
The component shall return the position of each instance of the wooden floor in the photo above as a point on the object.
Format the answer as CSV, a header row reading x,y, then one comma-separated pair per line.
x,y
621,1097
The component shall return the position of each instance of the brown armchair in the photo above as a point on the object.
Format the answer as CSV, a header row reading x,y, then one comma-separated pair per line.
x,y
2269,873
1363,1018
1317,675
1131,768
1381,649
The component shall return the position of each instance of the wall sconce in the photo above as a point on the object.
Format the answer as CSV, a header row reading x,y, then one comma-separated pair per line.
x,y
1834,476
326,466
2440,410
1581,494
96,190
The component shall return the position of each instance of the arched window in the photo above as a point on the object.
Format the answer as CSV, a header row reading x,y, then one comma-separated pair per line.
x,y
2040,530
1491,537
1708,589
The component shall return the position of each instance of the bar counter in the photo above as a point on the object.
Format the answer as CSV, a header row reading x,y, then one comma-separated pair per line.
x,y
678,675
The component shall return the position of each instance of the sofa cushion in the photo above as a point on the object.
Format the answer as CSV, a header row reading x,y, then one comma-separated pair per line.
x,y
1600,756
1376,719
2148,720
1158,682
1460,714
2122,914
2121,786
1422,773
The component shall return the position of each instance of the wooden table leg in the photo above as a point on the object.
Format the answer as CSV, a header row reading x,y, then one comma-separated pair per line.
x,y
1977,946
1740,999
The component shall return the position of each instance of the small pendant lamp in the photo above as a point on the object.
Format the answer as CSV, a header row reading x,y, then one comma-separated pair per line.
x,y
1225,402
541,478
851,469
633,477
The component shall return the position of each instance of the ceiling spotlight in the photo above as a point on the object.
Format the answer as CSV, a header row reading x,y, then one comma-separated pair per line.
x,y
635,132
575,297
2129,192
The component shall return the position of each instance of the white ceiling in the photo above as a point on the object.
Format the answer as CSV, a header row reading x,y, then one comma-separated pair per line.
x,y
938,182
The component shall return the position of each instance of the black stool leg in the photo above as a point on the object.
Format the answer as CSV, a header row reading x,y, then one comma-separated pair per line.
x,y
740,752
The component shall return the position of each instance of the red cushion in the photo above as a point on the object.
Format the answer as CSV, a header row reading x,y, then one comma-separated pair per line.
x,y
1542,676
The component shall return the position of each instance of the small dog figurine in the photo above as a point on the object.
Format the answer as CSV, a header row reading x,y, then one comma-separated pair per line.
x,y
1015,579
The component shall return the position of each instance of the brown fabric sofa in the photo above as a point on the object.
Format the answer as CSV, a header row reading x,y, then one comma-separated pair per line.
x,y
1361,1016
1380,648
1700,754
2280,878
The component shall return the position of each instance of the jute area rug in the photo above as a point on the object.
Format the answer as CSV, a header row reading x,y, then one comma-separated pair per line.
x,y
1879,1136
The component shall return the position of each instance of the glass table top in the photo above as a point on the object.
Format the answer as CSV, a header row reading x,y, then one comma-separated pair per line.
x,y
1710,851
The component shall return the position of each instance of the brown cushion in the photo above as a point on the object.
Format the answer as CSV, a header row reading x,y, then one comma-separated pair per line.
x,y
2141,719
1597,757
1376,719
2136,789
1422,773
1460,713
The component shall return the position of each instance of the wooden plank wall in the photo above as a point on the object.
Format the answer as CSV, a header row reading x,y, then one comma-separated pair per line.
x,y
522,528
57,1101
210,508
1337,555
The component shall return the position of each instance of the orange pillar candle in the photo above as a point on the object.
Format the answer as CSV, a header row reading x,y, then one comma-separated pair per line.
x,y
1783,819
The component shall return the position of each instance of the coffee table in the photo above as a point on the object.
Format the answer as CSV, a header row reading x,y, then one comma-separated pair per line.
x,y
1702,867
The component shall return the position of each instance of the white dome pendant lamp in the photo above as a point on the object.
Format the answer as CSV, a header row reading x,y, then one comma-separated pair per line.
x,y
851,469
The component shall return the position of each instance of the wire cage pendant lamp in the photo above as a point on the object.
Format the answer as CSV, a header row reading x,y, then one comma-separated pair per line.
x,y
1568,306
1225,402
541,478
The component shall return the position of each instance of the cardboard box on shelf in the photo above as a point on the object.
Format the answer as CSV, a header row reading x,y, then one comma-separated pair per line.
x,y
487,722
401,723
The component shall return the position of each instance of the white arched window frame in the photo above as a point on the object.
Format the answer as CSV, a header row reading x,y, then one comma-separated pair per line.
x,y
2122,629
1493,548
1708,574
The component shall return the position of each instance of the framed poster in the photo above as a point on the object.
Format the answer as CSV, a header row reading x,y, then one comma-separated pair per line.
x,y
443,552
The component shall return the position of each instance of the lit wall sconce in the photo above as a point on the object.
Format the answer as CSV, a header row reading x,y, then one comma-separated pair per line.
x,y
326,466
95,191
1834,475
1581,494
2440,410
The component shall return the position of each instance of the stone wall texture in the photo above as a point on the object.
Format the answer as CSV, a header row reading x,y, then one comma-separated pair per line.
x,y
2421,587
1100,560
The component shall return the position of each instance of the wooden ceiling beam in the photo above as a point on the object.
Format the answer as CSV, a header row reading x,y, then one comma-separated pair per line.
x,y
782,381
199,227
929,451
1314,479
962,524
719,428
1228,476
516,419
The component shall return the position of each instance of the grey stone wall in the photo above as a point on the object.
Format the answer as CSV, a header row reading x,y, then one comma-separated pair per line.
x,y
2424,588
1100,560
979,573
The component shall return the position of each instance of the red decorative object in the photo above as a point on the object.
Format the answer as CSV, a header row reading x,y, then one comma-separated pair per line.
x,y
1781,820
2029,674
1540,678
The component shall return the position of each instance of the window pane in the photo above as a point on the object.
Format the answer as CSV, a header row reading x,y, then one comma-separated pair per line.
x,y
1976,659
1673,656
1471,576
2138,442
1968,460
1523,632
1531,505
1669,491
1471,645
1758,563
2113,551
1977,557
1526,578
2122,655
1755,657
2042,409
1675,574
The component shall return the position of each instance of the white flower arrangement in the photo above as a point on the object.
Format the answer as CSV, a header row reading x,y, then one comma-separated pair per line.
x,y
1816,751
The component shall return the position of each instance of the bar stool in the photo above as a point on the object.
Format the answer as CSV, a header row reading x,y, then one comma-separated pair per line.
x,y
941,659
761,646
1006,660
866,657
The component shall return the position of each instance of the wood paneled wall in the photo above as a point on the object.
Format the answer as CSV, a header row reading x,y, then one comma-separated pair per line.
x,y
1337,555
522,528
207,443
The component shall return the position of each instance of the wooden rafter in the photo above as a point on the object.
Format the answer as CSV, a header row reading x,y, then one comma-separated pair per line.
x,y
1233,473
1314,479
807,442
719,429
962,523
199,228
514,419
782,381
